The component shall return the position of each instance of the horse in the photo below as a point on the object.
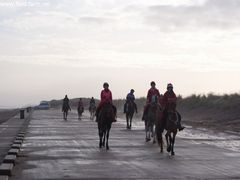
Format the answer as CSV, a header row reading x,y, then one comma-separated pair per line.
x,y
172,120
159,127
153,117
105,118
92,110
80,110
65,109
131,107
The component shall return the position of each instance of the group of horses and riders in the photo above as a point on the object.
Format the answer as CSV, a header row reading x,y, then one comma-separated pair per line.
x,y
80,108
159,114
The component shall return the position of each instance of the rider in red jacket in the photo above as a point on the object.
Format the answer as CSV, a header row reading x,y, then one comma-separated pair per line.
x,y
170,102
106,97
152,92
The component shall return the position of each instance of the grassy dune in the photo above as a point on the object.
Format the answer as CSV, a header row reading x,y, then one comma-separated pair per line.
x,y
212,111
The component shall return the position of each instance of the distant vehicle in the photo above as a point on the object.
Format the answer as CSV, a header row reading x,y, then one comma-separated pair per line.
x,y
43,105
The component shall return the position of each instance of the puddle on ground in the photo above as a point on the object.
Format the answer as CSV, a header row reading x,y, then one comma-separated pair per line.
x,y
199,136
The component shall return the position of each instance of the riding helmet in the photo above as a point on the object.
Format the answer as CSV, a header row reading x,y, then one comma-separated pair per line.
x,y
153,83
105,84
169,85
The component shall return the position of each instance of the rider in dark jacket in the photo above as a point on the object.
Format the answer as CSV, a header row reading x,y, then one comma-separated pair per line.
x,y
92,101
65,104
130,97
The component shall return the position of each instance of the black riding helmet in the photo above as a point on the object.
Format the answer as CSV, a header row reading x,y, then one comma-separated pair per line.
x,y
132,90
152,83
105,84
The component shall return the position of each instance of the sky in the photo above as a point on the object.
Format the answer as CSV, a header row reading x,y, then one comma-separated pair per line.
x,y
49,48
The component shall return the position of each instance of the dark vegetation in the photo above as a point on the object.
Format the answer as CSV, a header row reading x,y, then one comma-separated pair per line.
x,y
217,112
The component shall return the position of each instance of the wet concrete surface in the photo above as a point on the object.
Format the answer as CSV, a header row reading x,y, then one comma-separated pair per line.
x,y
58,149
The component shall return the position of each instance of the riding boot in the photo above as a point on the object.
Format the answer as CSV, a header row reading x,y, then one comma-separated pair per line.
x,y
180,127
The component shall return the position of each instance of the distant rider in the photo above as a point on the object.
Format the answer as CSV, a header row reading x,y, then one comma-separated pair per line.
x,y
92,102
170,102
130,98
65,105
80,105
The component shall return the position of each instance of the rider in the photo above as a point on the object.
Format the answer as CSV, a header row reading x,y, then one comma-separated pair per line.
x,y
170,101
153,91
92,102
130,97
65,103
80,105
106,97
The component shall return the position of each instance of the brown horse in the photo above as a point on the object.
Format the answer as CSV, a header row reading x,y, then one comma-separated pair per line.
x,y
105,118
172,119
154,122
131,108
80,110
92,110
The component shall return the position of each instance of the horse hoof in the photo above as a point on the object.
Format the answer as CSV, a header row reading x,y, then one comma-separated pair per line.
x,y
168,149
154,142
107,148
173,153
148,139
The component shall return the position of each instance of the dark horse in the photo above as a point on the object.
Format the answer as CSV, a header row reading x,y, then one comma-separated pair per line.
x,y
131,107
105,118
80,110
172,120
92,110
65,109
153,122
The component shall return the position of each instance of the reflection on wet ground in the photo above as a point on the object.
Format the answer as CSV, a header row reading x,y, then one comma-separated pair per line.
x,y
58,149
201,135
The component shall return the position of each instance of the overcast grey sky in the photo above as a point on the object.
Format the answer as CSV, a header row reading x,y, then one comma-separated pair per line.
x,y
49,48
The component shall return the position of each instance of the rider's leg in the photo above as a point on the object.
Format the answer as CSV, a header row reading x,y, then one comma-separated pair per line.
x,y
180,127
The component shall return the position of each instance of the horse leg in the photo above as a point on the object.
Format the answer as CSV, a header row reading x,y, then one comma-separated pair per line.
x,y
107,147
127,121
146,131
130,122
100,133
149,132
154,134
168,141
173,141
104,138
